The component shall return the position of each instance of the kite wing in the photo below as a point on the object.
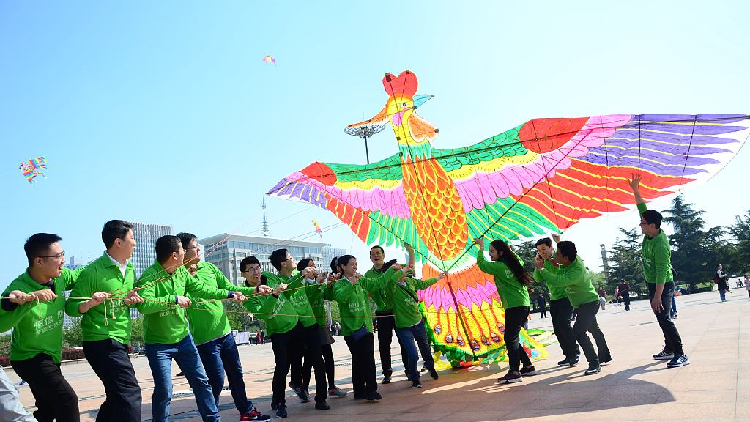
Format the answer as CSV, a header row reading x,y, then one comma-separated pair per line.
x,y
547,174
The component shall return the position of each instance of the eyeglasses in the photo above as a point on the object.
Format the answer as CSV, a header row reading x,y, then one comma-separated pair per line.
x,y
252,269
58,256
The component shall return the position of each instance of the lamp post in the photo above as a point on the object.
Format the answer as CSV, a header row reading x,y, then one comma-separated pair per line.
x,y
364,132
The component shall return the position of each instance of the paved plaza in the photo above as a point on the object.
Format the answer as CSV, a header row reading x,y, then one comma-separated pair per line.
x,y
633,387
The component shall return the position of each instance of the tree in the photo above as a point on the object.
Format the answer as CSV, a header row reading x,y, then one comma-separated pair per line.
x,y
740,231
136,331
239,318
625,261
72,336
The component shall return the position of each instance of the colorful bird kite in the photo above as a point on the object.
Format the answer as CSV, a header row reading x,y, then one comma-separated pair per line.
x,y
317,228
541,176
269,59
33,168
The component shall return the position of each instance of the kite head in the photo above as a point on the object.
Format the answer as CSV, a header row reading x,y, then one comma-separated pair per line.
x,y
400,110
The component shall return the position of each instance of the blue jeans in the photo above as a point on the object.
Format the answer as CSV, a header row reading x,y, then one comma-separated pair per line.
x,y
407,336
722,294
221,355
186,355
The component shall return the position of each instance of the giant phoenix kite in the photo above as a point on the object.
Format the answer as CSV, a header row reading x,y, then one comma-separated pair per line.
x,y
541,176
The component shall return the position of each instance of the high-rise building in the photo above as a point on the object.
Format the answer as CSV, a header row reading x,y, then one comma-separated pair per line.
x,y
145,235
227,250
328,253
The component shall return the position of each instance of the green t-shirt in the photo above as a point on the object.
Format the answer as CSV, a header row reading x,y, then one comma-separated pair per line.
x,y
405,301
512,293
555,292
657,256
39,325
354,306
383,303
163,321
576,280
208,319
110,319
278,312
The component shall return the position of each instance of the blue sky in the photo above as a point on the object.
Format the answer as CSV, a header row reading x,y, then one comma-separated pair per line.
x,y
164,111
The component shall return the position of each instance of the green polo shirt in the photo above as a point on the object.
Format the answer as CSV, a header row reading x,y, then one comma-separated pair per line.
x,y
555,292
576,280
163,321
277,311
657,256
110,319
354,306
39,325
405,301
208,319
512,293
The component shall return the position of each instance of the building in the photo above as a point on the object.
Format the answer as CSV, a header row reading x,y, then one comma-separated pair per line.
x,y
145,235
328,253
227,250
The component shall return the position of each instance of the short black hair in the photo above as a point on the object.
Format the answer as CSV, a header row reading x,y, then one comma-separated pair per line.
x,y
185,238
277,257
303,263
378,247
544,241
38,245
165,246
248,260
344,260
652,217
567,249
335,265
115,229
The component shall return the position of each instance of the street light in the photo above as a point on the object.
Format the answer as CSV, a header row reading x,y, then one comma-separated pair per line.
x,y
365,131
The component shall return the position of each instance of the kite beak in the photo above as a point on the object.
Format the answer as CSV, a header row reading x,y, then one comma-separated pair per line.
x,y
421,99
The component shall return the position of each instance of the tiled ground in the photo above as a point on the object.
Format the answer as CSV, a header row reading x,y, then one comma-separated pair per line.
x,y
715,387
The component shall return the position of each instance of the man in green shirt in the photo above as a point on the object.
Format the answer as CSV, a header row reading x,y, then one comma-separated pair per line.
x,y
559,305
657,268
212,334
409,320
273,304
574,277
384,314
36,341
105,323
165,286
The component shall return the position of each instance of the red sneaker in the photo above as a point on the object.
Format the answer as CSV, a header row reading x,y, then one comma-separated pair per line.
x,y
254,415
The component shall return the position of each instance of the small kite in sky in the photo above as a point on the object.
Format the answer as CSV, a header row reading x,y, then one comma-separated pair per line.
x,y
33,168
269,59
318,230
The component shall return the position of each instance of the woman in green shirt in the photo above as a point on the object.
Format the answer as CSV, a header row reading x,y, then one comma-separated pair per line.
x,y
350,291
511,281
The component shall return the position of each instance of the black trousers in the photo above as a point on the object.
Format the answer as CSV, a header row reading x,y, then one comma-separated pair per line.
x,y
586,323
110,361
626,300
672,339
284,346
363,364
55,398
328,364
386,328
561,311
313,354
514,320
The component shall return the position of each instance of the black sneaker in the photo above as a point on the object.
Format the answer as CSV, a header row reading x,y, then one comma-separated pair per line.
x,y
564,362
510,377
664,355
677,361
254,415
592,370
322,405
416,384
528,371
374,396
302,394
281,411
387,377
574,361
434,374
606,359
